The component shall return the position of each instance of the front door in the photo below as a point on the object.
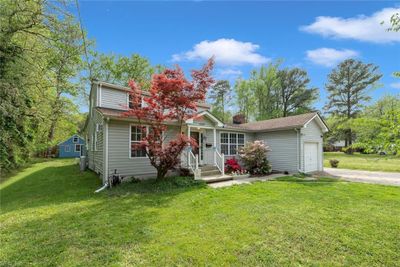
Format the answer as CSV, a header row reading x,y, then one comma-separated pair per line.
x,y
198,150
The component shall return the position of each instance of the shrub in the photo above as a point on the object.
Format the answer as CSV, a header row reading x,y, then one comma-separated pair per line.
x,y
232,166
254,157
184,172
334,163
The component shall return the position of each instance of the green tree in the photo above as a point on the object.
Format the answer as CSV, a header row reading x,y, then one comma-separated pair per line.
x,y
265,83
220,96
119,69
245,98
348,86
295,96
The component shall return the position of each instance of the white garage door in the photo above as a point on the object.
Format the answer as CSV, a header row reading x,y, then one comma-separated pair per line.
x,y
311,157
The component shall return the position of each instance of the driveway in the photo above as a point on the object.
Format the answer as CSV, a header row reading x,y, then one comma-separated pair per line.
x,y
386,178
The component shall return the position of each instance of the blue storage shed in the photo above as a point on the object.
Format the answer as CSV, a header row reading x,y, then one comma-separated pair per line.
x,y
73,147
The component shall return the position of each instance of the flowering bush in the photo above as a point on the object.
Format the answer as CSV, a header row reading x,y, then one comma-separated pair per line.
x,y
254,157
232,166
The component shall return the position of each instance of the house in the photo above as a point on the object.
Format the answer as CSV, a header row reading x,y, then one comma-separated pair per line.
x,y
73,147
295,142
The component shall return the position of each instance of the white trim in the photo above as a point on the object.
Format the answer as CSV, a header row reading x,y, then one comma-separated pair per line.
x,y
100,104
127,100
229,142
105,137
79,149
130,141
206,112
320,122
65,148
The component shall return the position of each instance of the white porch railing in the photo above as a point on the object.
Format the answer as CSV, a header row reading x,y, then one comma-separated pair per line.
x,y
193,161
219,161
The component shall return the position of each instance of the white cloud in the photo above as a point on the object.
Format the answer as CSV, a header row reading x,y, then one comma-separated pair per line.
x,y
362,28
395,85
229,72
329,57
227,52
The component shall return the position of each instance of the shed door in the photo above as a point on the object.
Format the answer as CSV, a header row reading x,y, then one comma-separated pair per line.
x,y
311,157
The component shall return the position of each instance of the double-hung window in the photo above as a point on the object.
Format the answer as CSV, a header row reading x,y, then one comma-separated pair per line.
x,y
231,143
137,135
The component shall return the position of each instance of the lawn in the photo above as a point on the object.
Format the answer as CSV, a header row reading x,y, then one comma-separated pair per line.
x,y
51,217
368,162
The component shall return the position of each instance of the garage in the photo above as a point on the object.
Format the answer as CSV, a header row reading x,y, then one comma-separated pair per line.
x,y
311,156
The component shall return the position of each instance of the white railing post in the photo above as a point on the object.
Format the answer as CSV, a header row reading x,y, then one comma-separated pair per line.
x,y
197,161
223,164
188,157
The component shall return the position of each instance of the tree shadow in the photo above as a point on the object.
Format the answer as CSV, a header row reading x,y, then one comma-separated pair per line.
x,y
65,184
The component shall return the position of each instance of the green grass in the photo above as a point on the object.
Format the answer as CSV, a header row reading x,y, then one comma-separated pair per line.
x,y
368,162
51,217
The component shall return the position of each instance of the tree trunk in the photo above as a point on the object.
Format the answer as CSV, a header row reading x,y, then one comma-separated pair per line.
x,y
161,174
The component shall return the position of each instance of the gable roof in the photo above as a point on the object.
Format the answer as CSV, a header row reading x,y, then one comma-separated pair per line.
x,y
69,138
290,122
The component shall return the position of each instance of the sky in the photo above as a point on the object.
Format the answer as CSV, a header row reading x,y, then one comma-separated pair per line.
x,y
243,36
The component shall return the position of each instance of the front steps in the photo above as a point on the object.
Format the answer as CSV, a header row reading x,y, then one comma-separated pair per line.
x,y
211,174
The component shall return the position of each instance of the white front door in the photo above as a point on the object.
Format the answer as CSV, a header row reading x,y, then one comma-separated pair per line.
x,y
310,157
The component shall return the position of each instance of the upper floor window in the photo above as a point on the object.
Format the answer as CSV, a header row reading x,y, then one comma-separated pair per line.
x,y
137,135
76,139
131,104
231,143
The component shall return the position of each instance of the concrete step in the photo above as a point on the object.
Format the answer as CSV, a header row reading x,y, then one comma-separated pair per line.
x,y
208,168
210,173
216,178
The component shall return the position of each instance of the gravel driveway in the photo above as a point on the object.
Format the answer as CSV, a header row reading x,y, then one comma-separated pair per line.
x,y
387,178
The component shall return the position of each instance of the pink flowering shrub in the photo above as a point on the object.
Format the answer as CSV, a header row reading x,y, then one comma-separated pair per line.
x,y
254,157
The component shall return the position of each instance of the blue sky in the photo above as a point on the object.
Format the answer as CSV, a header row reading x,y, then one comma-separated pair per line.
x,y
244,35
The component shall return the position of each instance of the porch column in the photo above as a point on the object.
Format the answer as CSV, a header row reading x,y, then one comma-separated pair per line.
x,y
215,146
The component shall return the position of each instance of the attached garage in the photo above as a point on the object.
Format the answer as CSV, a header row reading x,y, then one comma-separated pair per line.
x,y
295,142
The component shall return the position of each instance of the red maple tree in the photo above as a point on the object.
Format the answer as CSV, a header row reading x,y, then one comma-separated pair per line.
x,y
172,100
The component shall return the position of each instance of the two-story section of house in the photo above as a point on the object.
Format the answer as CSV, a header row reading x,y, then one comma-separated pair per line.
x,y
295,142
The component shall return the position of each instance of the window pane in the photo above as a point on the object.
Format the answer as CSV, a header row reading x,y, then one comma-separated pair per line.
x,y
232,138
224,138
224,149
232,150
240,138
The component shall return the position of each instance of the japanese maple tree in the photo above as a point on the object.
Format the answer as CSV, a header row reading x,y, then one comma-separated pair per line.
x,y
172,99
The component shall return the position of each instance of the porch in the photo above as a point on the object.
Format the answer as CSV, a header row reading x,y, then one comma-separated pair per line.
x,y
206,162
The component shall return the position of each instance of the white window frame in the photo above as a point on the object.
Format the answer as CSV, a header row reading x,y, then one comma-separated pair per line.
x,y
67,148
229,142
80,147
77,139
130,140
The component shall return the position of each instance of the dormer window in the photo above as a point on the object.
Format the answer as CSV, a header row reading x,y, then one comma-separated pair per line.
x,y
75,140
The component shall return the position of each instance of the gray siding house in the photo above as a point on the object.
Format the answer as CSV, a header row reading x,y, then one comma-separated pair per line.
x,y
295,142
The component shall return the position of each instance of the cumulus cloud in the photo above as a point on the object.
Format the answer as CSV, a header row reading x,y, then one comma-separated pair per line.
x,y
329,57
395,85
362,28
229,52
